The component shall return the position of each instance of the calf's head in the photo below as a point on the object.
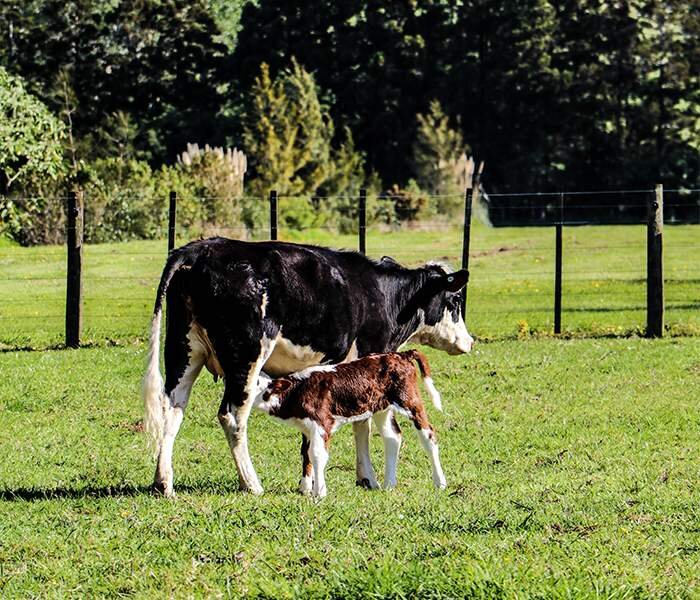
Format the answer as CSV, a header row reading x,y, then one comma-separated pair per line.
x,y
439,307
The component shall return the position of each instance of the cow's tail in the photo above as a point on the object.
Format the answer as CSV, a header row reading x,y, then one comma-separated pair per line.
x,y
154,399
424,367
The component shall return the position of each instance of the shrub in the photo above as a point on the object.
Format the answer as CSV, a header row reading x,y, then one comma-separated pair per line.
x,y
409,203
217,175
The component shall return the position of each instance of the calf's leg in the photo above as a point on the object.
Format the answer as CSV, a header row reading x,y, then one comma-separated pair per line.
x,y
391,434
363,464
428,439
318,451
307,472
429,442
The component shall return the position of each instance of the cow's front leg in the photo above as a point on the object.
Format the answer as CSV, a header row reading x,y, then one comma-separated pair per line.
x,y
363,464
234,420
239,396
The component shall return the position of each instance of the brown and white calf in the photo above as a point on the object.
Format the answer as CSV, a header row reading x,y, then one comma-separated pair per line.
x,y
318,400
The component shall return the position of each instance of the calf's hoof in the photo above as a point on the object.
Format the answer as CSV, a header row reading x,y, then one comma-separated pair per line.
x,y
305,486
319,494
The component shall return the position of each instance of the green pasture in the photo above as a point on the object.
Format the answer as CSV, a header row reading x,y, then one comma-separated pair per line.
x,y
510,292
572,468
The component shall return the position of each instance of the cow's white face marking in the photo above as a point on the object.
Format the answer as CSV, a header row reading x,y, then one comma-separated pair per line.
x,y
288,358
447,334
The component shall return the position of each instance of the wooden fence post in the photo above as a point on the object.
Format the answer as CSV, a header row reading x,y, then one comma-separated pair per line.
x,y
655,264
273,215
471,183
74,282
557,266
172,215
362,217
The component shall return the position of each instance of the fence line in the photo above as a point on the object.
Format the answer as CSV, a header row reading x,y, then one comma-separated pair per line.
x,y
554,281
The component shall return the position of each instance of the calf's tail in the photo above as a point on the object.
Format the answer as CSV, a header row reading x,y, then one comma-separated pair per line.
x,y
424,367
152,389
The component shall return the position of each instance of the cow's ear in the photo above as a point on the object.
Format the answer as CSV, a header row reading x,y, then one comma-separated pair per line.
x,y
387,260
453,282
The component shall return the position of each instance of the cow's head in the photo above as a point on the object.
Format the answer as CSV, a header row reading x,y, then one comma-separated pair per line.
x,y
439,307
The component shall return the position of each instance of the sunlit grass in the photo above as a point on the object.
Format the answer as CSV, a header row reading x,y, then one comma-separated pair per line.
x,y
572,469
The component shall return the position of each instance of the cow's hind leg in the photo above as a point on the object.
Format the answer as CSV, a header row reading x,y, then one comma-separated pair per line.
x,y
363,464
183,364
391,434
239,394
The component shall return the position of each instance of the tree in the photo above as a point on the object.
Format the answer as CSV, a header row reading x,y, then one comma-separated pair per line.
x,y
289,137
30,136
367,56
157,60
436,151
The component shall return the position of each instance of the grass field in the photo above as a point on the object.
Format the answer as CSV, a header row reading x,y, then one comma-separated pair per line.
x,y
572,468
572,464
511,287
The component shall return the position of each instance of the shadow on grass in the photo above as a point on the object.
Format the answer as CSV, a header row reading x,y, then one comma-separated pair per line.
x,y
34,494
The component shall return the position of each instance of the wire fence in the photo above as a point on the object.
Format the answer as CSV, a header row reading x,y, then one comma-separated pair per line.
x,y
512,268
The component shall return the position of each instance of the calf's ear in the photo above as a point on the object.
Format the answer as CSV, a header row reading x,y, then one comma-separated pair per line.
x,y
281,385
453,282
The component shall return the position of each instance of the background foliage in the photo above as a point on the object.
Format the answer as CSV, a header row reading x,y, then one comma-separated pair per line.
x,y
325,97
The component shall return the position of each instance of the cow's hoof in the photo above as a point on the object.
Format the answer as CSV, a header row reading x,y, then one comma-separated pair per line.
x,y
160,488
367,484
256,490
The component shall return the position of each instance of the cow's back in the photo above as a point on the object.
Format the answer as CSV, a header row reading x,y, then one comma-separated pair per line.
x,y
313,300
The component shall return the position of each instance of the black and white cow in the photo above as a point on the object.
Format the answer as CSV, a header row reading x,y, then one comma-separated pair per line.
x,y
239,308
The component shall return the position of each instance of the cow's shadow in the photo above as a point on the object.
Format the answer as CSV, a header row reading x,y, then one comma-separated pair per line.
x,y
35,494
